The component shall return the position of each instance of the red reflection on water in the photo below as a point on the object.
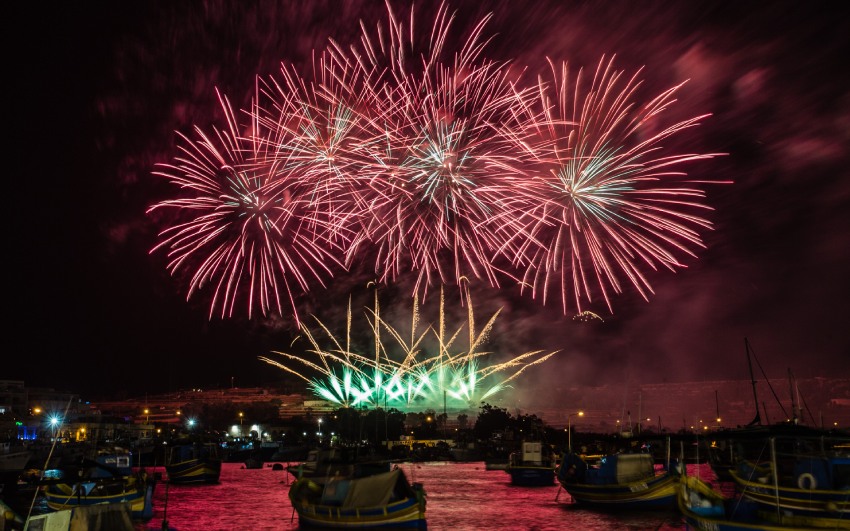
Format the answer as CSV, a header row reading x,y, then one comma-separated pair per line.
x,y
461,496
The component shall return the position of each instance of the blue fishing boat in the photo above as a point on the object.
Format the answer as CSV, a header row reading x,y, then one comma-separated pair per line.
x,y
106,479
193,463
618,481
704,508
806,488
380,501
532,466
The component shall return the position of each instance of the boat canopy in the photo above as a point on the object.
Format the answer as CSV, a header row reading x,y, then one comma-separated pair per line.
x,y
369,491
622,468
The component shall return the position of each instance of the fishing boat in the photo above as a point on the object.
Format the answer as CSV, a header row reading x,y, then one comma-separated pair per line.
x,y
618,481
532,466
806,487
380,501
101,517
728,448
193,462
338,461
106,479
704,508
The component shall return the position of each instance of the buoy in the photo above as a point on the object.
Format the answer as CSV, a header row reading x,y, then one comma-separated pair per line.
x,y
807,481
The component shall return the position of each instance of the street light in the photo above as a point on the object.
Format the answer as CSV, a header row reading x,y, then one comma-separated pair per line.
x,y
240,423
569,429
55,422
147,415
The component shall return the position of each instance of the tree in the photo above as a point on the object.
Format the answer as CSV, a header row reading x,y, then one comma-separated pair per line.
x,y
491,420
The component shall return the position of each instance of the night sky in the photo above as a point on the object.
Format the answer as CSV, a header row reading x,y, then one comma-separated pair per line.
x,y
98,90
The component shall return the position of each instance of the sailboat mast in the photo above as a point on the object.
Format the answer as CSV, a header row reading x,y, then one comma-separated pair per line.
x,y
791,391
757,419
717,407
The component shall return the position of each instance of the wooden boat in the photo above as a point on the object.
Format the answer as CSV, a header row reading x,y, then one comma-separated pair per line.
x,y
102,517
107,479
532,466
800,489
704,508
496,464
618,481
728,449
338,461
379,501
193,463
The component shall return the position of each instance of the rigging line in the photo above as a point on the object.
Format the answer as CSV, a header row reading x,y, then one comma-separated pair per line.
x,y
757,419
766,379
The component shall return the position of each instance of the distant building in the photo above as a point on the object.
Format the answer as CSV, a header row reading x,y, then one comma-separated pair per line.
x,y
31,411
13,397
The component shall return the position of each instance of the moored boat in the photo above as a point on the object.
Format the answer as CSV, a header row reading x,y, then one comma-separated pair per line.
x,y
804,488
618,481
338,461
704,508
532,466
193,463
12,458
100,517
385,500
106,479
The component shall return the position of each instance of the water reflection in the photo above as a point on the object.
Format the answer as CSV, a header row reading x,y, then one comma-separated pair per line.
x,y
461,496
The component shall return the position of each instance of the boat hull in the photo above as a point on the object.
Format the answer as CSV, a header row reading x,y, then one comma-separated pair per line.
x,y
815,508
194,471
382,501
14,461
195,463
621,481
405,514
531,476
112,517
702,508
656,493
134,492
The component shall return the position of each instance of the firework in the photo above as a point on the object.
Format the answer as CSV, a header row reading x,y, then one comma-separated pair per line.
x,y
249,236
311,134
443,165
434,163
400,374
610,203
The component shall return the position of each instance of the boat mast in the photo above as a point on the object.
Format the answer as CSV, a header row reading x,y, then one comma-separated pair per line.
x,y
793,402
757,419
717,407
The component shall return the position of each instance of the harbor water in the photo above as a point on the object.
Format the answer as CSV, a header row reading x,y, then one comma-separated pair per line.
x,y
461,496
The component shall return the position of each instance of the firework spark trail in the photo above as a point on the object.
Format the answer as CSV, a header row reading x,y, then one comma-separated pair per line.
x,y
442,171
351,379
438,165
313,132
601,210
247,233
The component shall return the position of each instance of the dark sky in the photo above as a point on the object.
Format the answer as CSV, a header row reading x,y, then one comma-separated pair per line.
x,y
96,90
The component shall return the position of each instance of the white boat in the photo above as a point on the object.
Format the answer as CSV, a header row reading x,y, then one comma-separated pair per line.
x,y
13,460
